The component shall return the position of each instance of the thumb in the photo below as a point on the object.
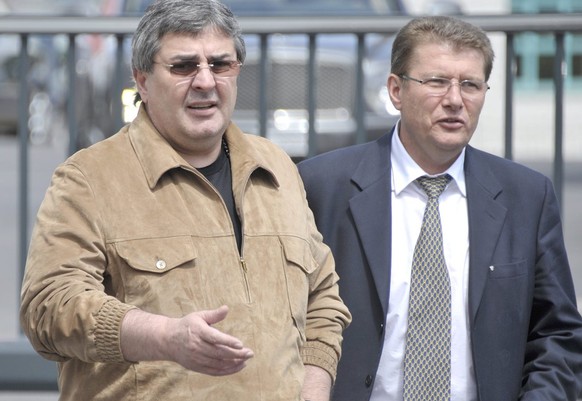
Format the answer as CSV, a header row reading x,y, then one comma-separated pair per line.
x,y
215,315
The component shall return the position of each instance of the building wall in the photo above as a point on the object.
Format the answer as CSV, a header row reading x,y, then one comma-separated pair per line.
x,y
467,6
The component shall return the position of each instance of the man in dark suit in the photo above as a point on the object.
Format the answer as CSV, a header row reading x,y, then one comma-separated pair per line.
x,y
512,328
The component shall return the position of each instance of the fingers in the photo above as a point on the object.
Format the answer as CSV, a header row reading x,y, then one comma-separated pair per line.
x,y
205,349
220,348
219,366
214,336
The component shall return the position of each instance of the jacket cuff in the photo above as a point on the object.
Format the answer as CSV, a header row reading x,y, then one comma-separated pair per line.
x,y
322,355
108,331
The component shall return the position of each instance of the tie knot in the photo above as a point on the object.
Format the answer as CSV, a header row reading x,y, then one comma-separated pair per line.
x,y
434,186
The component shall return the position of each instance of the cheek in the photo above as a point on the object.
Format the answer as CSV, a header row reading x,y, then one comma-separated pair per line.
x,y
474,111
419,110
227,91
234,93
161,95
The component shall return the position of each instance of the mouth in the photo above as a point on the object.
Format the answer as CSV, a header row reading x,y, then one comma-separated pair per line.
x,y
202,106
451,123
452,120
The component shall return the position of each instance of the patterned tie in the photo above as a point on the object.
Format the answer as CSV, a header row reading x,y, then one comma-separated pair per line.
x,y
427,360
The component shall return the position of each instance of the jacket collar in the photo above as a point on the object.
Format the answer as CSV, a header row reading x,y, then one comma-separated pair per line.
x,y
375,166
157,156
245,158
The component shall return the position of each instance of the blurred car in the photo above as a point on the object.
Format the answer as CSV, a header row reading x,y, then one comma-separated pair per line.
x,y
287,77
10,84
45,77
9,87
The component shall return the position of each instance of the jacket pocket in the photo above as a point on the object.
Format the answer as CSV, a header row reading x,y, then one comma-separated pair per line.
x,y
157,255
299,264
508,270
158,274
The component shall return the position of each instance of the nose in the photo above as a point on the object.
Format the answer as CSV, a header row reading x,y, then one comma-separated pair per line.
x,y
453,97
204,79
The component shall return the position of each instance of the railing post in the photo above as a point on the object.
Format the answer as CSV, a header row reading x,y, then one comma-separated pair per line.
x,y
118,84
72,98
311,97
23,113
263,84
360,102
559,73
510,68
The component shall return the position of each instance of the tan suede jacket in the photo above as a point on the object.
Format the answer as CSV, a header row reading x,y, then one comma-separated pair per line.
x,y
128,223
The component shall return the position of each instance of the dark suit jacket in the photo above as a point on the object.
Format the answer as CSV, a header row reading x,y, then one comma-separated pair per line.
x,y
526,331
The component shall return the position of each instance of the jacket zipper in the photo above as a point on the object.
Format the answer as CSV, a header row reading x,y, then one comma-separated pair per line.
x,y
243,265
242,262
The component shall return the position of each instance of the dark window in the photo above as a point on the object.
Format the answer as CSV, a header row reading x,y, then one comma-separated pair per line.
x,y
546,67
577,65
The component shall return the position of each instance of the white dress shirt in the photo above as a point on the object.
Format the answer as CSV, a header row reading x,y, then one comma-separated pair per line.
x,y
408,204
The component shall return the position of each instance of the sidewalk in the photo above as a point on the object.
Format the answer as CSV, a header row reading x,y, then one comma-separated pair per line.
x,y
28,396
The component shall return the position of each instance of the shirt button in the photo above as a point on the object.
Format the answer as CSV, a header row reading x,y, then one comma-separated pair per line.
x,y
161,264
368,380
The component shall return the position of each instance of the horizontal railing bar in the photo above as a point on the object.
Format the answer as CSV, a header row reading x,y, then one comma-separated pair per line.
x,y
509,23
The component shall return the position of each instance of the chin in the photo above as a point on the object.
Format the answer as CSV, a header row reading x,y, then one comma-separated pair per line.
x,y
452,146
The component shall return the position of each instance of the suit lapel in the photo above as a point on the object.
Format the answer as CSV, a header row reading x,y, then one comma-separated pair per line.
x,y
486,219
370,209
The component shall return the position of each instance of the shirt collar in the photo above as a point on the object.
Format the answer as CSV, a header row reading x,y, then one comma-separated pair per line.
x,y
405,170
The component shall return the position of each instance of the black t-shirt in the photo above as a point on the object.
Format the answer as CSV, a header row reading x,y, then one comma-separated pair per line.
x,y
219,174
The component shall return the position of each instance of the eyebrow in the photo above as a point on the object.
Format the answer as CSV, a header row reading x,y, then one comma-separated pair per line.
x,y
196,57
462,78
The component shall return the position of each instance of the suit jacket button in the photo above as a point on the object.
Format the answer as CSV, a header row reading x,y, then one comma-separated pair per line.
x,y
368,380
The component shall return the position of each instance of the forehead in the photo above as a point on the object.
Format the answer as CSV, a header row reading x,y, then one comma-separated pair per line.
x,y
207,42
444,58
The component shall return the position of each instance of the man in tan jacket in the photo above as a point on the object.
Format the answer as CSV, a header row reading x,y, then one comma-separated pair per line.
x,y
178,259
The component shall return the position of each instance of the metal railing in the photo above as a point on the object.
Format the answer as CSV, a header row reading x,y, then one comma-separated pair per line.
x,y
20,367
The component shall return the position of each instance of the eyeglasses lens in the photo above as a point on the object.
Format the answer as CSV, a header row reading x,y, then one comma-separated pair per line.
x,y
219,68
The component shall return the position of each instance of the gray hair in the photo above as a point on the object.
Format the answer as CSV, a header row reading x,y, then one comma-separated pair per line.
x,y
439,29
189,17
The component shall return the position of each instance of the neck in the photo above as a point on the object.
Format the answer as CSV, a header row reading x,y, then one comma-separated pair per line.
x,y
203,159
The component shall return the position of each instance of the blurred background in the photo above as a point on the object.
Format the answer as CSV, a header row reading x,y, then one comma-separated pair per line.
x,y
314,80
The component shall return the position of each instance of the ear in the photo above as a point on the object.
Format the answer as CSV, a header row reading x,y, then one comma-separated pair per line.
x,y
394,85
140,78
